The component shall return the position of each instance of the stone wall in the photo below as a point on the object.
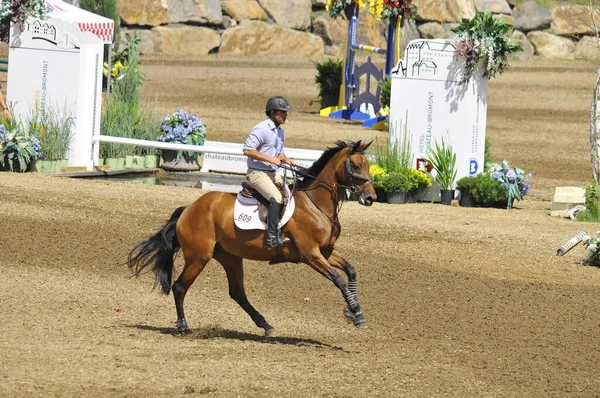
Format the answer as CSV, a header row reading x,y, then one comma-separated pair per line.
x,y
199,27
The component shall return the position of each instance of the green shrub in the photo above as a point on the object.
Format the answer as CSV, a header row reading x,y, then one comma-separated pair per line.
x,y
396,182
386,91
418,179
484,188
329,77
592,208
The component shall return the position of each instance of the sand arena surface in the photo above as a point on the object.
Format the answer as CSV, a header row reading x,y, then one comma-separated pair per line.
x,y
460,301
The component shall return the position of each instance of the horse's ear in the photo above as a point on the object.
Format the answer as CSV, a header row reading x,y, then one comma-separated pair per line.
x,y
365,146
356,147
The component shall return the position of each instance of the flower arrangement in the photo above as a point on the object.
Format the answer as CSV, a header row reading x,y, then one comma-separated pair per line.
x,y
380,9
17,149
17,11
336,7
183,128
512,179
482,43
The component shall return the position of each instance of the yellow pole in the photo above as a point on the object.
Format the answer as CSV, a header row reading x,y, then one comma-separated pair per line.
x,y
398,37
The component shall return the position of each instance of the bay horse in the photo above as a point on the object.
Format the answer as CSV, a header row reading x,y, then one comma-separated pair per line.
x,y
205,229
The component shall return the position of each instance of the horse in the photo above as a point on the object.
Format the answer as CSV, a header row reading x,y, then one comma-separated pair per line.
x,y
205,229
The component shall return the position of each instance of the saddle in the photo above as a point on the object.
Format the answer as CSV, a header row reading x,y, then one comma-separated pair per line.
x,y
250,196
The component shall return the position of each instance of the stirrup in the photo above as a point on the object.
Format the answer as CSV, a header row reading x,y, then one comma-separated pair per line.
x,y
276,242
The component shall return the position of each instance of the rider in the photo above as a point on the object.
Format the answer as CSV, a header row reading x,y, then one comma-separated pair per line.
x,y
265,152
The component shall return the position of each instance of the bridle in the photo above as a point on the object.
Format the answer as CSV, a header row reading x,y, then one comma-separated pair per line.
x,y
353,188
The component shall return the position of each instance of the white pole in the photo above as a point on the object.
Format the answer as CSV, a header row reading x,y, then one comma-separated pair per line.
x,y
168,145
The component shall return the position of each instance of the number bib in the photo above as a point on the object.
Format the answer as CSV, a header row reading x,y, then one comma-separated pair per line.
x,y
245,215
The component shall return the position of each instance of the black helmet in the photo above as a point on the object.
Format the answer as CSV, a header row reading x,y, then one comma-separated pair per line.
x,y
278,103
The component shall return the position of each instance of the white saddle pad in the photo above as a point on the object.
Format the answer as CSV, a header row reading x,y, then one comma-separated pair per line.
x,y
246,216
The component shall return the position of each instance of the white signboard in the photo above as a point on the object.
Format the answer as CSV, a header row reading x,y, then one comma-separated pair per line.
x,y
237,163
428,104
55,69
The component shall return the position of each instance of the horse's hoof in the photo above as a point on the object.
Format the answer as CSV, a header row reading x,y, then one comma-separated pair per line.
x,y
271,332
185,331
349,315
360,321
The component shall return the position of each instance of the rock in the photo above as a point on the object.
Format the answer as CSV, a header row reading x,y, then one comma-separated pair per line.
x,y
575,20
243,9
528,50
493,6
588,48
332,31
318,3
185,40
432,30
256,37
294,14
445,10
144,12
531,16
200,11
551,46
409,32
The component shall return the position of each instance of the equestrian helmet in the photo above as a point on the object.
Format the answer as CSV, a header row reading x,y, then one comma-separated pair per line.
x,y
278,103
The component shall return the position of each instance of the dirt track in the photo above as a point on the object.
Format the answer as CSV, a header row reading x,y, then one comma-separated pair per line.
x,y
460,302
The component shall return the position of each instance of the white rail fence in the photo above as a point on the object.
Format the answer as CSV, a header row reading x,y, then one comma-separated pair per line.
x,y
218,156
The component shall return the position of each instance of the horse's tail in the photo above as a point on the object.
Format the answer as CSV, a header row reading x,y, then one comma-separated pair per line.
x,y
159,250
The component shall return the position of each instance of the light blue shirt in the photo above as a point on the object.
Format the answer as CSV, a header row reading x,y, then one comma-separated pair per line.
x,y
267,139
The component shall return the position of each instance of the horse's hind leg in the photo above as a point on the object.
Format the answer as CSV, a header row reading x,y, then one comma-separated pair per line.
x,y
193,267
234,269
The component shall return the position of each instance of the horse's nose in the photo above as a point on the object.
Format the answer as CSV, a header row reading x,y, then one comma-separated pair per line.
x,y
368,201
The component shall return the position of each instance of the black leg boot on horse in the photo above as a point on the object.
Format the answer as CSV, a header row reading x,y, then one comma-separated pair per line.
x,y
274,238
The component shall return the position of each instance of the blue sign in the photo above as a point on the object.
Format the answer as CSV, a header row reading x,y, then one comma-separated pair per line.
x,y
473,166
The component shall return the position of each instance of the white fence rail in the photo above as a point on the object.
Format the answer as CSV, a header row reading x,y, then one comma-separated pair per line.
x,y
218,156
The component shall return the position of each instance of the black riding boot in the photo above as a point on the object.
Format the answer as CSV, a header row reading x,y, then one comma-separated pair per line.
x,y
274,239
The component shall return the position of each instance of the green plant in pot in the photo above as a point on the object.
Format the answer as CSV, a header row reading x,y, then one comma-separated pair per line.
x,y
396,185
378,173
443,159
329,81
483,189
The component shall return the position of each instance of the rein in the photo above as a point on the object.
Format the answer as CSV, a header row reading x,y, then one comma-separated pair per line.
x,y
300,170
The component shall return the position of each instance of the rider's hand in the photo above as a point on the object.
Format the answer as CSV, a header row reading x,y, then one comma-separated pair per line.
x,y
276,161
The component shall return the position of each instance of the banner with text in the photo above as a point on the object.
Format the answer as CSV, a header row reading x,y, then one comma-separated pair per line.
x,y
429,104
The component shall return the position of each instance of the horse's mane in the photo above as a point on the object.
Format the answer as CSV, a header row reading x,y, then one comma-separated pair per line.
x,y
320,163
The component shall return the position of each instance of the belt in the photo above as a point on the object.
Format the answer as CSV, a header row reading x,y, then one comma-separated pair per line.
x,y
253,168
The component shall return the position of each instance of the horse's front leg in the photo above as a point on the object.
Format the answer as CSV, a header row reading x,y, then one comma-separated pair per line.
x,y
321,265
336,260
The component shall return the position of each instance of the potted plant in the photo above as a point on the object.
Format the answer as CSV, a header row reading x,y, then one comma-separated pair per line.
x,y
465,186
329,81
443,159
17,148
512,179
182,128
396,185
419,182
378,174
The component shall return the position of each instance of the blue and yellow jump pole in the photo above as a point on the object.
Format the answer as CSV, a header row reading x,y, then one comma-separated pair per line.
x,y
345,110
